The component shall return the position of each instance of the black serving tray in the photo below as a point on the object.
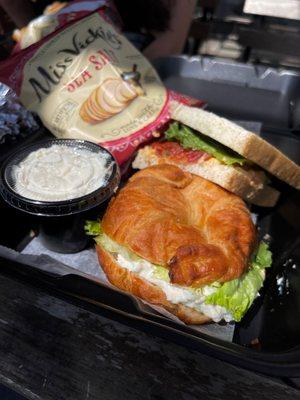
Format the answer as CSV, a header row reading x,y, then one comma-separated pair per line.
x,y
268,338
273,319
237,90
116,304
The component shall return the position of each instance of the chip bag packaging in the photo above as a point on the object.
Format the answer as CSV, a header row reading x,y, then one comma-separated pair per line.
x,y
87,81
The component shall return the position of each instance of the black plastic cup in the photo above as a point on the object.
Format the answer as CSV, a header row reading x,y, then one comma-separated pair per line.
x,y
61,223
66,234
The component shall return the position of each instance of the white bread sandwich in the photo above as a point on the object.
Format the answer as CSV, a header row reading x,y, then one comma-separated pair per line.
x,y
222,152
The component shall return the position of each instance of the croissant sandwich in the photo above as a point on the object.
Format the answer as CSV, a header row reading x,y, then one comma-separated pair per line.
x,y
183,243
224,153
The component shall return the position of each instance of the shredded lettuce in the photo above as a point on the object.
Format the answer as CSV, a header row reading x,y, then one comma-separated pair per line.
x,y
238,295
161,273
92,228
263,258
189,139
113,247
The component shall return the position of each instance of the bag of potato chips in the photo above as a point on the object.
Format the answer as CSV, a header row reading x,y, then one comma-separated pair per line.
x,y
87,81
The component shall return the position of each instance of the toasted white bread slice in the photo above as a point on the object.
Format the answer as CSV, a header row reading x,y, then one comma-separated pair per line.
x,y
250,185
246,143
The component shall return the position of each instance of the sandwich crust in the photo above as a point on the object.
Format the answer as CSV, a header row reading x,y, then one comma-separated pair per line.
x,y
132,283
197,230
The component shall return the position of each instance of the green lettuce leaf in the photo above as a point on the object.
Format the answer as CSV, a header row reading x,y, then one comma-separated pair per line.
x,y
161,273
93,228
263,256
113,247
196,141
238,295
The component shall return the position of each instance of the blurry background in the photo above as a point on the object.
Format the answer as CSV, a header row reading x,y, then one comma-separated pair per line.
x,y
258,31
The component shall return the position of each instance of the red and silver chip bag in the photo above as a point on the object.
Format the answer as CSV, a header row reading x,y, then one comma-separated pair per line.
x,y
87,81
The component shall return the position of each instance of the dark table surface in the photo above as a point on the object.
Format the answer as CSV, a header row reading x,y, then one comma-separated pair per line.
x,y
52,349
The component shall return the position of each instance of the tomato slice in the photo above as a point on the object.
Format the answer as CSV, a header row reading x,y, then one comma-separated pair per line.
x,y
175,152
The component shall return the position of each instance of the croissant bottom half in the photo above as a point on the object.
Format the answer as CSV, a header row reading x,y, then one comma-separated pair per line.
x,y
130,282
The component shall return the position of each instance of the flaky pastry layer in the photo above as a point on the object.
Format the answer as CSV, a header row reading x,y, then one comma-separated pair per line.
x,y
197,230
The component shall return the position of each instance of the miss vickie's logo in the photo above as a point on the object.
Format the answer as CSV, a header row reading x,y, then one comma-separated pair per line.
x,y
52,75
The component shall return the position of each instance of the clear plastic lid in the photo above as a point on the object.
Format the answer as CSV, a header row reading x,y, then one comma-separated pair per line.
x,y
12,196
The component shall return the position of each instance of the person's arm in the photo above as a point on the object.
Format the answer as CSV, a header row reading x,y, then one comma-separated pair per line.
x,y
172,41
20,11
